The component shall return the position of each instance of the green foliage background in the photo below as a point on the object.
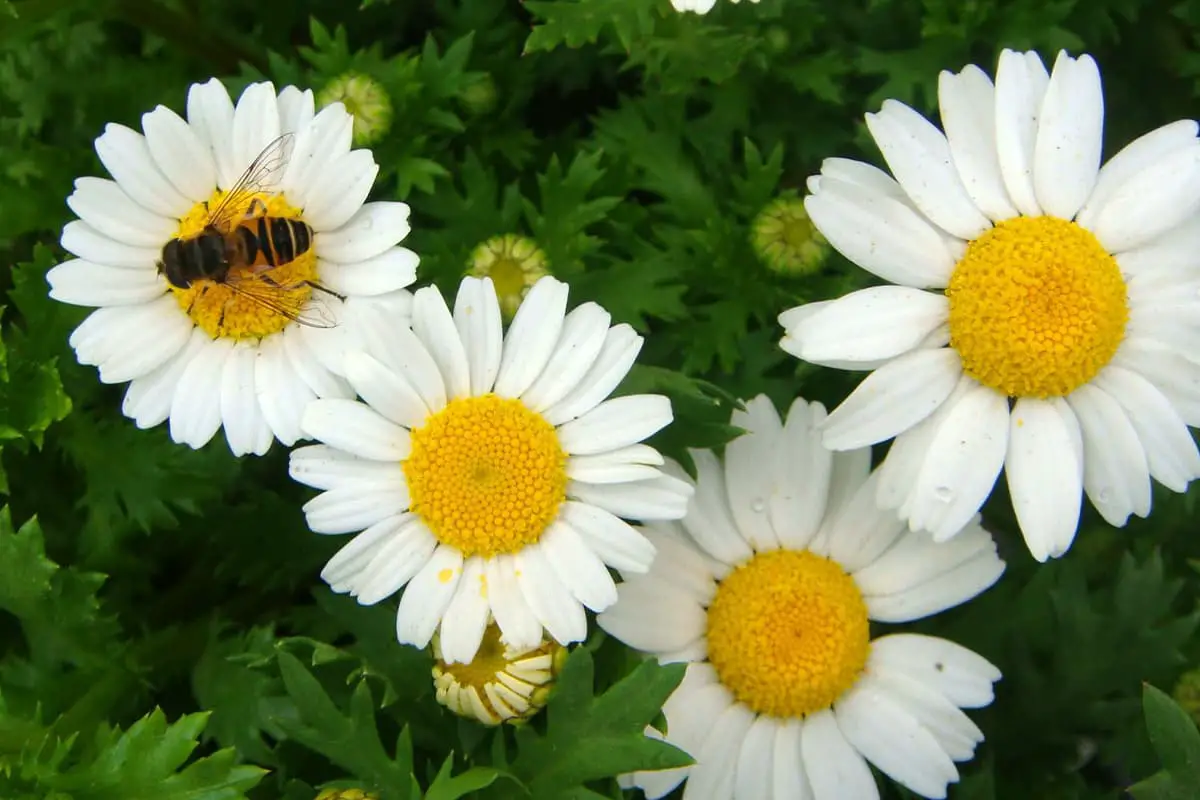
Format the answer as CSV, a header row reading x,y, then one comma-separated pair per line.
x,y
163,631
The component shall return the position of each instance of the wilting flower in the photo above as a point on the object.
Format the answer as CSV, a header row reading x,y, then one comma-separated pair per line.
x,y
488,470
501,683
297,253
1042,322
767,589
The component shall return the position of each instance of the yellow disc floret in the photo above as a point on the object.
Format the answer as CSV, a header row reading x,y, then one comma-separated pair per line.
x,y
1037,307
788,633
486,474
219,310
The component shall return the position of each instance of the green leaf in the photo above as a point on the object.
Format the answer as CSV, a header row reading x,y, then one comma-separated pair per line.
x,y
589,738
1177,743
579,22
451,787
351,741
147,762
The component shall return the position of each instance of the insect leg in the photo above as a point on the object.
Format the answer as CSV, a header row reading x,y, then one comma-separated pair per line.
x,y
257,208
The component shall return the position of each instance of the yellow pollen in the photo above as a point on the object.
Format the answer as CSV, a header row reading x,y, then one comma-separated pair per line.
x,y
788,633
486,474
218,310
1037,307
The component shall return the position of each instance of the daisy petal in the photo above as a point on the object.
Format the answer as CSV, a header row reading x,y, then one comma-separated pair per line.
x,y
861,531
560,614
255,125
339,190
81,239
391,551
372,230
124,153
356,506
893,399
615,541
755,770
834,767
477,317
749,463
105,207
83,283
582,337
790,779
394,268
713,775
615,423
954,731
1176,376
877,323
241,416
519,626
1171,451
466,617
427,595
385,391
282,393
1151,202
633,463
893,741
968,109
621,348
323,467
578,567
709,519
148,399
531,337
1066,155
960,675
1044,478
945,591
196,406
664,498
1021,81
1132,159
919,156
881,234
431,321
803,473
1115,473
210,115
351,426
964,460
180,154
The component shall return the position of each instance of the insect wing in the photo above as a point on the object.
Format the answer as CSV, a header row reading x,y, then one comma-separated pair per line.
x,y
261,176
310,308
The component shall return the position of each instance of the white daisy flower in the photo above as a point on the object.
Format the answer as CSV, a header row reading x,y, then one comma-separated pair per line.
x,y
766,590
206,357
699,6
1044,314
489,472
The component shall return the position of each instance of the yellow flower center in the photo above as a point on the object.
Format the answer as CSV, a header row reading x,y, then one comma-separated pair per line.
x,y
788,633
1037,307
221,311
501,684
486,474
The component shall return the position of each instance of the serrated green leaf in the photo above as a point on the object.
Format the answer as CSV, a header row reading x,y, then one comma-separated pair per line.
x,y
1174,736
351,741
588,737
147,762
446,786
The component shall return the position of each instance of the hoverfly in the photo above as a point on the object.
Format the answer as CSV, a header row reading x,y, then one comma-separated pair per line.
x,y
241,252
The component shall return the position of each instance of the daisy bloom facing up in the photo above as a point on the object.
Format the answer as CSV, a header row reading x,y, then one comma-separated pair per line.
x,y
1042,322
486,470
248,352
698,6
766,590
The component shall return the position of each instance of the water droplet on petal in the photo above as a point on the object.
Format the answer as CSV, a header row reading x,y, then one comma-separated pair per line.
x,y
758,506
943,493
